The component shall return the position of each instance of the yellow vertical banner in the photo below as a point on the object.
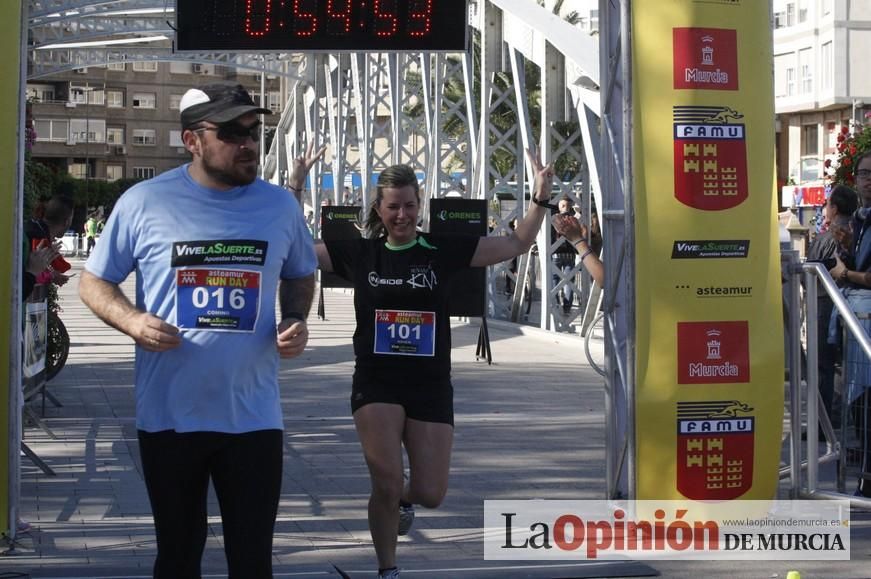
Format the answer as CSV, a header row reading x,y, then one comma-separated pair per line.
x,y
10,158
709,321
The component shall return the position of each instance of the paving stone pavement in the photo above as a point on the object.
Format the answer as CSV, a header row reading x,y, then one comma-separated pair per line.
x,y
528,426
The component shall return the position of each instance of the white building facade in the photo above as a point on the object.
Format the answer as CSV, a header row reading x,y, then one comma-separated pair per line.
x,y
822,55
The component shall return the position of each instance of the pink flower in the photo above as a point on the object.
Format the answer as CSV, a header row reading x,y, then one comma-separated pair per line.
x,y
844,129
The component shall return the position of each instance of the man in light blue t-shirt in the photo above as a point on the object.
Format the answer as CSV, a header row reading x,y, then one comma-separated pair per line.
x,y
210,244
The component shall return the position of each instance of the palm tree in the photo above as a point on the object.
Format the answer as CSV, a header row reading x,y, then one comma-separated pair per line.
x,y
572,17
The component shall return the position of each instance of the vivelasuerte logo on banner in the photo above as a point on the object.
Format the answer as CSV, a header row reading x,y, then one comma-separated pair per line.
x,y
710,248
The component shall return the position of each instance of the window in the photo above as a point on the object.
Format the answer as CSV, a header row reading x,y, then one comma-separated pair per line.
x,y
82,94
779,20
52,130
147,66
115,99
802,11
175,139
143,172
174,102
810,138
790,81
88,130
115,136
790,14
144,100
40,92
805,62
117,66
826,66
144,137
273,101
114,172
78,169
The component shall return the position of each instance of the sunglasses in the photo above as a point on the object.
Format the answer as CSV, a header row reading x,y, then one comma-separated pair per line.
x,y
234,133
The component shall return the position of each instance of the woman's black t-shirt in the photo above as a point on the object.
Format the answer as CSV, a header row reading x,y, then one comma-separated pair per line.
x,y
401,301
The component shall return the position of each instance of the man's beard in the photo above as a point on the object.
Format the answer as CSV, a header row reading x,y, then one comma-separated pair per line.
x,y
234,175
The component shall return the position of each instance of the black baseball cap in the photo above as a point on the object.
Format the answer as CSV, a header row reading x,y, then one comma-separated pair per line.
x,y
217,103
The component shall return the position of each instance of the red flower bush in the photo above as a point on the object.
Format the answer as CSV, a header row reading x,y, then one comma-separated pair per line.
x,y
850,146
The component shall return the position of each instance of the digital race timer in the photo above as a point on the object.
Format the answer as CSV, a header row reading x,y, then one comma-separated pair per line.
x,y
321,25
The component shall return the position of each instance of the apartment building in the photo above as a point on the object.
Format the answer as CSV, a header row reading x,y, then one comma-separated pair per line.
x,y
122,120
821,81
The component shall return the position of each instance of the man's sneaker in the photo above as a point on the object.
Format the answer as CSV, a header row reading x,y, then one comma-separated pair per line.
x,y
390,574
406,518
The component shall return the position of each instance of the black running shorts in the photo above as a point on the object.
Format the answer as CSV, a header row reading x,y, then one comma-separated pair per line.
x,y
424,400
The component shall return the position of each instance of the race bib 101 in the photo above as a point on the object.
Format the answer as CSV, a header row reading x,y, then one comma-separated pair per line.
x,y
217,299
405,333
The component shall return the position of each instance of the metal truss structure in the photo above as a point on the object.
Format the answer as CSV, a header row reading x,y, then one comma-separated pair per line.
x,y
463,121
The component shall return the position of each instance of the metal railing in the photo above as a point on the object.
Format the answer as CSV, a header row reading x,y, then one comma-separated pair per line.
x,y
816,416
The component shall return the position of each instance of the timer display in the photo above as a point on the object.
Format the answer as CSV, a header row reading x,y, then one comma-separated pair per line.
x,y
321,25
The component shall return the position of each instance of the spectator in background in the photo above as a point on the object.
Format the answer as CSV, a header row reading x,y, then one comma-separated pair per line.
x,y
91,229
563,259
576,234
42,260
840,205
856,279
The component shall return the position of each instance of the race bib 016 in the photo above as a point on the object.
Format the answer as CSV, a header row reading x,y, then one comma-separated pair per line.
x,y
217,299
404,333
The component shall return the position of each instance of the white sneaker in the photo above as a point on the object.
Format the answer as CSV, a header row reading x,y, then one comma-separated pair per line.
x,y
406,518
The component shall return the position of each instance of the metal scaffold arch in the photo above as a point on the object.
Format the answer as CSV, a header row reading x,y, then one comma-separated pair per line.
x,y
529,79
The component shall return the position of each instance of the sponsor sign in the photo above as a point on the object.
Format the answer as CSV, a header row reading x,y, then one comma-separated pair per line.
x,y
705,58
464,217
338,223
718,291
713,352
710,248
714,449
695,222
747,530
710,157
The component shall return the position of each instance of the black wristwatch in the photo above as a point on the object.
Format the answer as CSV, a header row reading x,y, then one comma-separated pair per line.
x,y
543,203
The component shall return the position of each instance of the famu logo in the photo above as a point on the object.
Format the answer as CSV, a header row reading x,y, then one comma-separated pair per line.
x,y
710,248
710,157
218,252
468,216
714,449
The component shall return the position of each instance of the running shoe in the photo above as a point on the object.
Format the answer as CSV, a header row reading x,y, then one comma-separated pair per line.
x,y
391,574
406,518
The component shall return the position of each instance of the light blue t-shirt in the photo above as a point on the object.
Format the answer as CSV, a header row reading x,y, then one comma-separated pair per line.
x,y
209,262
